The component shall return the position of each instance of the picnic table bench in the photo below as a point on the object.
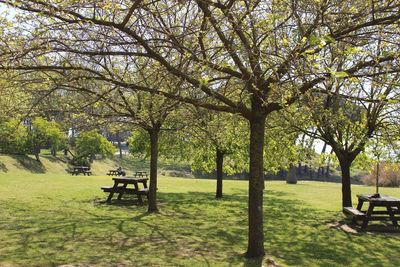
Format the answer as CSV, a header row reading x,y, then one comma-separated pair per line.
x,y
80,170
391,212
120,187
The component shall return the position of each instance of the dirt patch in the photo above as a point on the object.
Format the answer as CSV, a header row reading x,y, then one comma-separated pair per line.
x,y
271,263
344,227
377,229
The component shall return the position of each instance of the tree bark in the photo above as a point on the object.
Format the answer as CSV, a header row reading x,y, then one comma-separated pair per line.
x,y
321,168
119,145
53,151
220,163
328,166
327,171
346,183
255,247
37,157
36,151
153,171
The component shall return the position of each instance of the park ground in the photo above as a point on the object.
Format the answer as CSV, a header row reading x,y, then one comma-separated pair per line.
x,y
49,218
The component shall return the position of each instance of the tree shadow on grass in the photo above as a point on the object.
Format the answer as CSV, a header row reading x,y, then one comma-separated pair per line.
x,y
192,228
3,167
29,164
294,232
54,158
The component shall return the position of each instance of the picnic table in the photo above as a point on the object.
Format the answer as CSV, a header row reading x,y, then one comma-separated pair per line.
x,y
80,170
141,174
121,187
115,172
390,212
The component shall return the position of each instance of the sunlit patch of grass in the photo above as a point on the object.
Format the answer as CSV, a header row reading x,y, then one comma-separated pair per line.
x,y
50,220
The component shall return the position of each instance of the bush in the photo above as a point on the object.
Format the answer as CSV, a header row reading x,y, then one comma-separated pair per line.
x,y
80,161
13,138
90,143
47,133
389,175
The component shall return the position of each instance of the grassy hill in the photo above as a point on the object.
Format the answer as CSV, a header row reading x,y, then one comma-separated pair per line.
x,y
22,165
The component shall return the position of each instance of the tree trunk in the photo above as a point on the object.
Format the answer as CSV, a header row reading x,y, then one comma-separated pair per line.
x,y
36,152
327,171
119,145
300,169
220,163
153,170
346,184
321,168
53,151
255,247
291,177
72,139
328,166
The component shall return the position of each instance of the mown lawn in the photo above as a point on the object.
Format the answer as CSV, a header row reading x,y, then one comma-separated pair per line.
x,y
51,220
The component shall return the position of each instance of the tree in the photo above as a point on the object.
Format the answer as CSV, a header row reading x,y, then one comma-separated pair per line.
x,y
13,137
226,135
144,110
42,132
90,143
246,57
348,118
211,141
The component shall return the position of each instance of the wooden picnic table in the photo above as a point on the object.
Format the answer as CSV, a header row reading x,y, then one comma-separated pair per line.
x,y
115,172
390,212
121,187
141,174
80,170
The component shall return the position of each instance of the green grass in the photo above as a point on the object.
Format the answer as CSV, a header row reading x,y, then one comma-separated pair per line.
x,y
54,219
24,165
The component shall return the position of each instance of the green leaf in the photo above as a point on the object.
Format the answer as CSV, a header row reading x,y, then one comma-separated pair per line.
x,y
339,74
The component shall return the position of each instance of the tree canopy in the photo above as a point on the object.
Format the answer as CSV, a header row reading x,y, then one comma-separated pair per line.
x,y
245,57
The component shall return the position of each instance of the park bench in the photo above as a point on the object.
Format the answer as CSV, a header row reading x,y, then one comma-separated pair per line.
x,y
120,187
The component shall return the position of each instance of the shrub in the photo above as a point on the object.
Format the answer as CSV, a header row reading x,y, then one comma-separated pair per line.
x,y
90,143
13,138
389,175
80,161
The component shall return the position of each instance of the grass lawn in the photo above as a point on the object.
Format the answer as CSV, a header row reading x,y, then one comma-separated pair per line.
x,y
56,219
